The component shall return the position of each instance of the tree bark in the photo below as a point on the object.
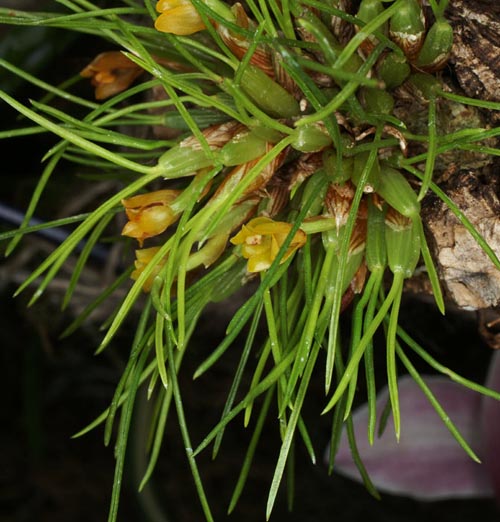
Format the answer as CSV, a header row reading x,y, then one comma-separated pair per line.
x,y
469,277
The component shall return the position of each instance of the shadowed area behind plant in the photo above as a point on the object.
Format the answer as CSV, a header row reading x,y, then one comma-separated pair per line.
x,y
53,387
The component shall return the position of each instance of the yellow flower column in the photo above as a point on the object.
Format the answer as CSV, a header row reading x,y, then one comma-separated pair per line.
x,y
261,239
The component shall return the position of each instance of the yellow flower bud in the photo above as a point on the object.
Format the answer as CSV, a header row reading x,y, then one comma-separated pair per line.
x,y
178,17
111,72
149,214
261,239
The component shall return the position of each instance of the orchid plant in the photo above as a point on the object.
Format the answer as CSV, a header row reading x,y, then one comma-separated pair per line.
x,y
291,162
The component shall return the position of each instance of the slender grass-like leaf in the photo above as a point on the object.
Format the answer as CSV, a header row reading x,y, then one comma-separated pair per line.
x,y
447,144
276,349
484,104
159,336
490,151
94,305
336,433
254,43
160,419
306,439
290,430
46,225
431,149
163,404
35,198
238,374
75,138
431,270
94,133
306,341
247,462
371,391
444,369
356,457
337,74
25,131
290,477
268,381
172,373
142,340
392,372
338,415
121,444
435,403
343,254
93,14
282,307
307,272
83,258
356,331
384,418
103,416
46,86
363,343
257,374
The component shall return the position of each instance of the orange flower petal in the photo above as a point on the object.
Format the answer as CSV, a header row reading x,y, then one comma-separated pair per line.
x,y
111,72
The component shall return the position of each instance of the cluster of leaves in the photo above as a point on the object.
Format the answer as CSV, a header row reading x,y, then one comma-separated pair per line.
x,y
285,111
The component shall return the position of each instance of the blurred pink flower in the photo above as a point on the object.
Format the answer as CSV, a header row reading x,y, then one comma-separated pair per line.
x,y
428,463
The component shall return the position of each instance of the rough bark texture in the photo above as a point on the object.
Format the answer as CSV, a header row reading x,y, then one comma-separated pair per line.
x,y
469,277
476,49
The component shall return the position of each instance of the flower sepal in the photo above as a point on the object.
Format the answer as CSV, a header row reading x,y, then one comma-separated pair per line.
x,y
149,214
111,73
178,17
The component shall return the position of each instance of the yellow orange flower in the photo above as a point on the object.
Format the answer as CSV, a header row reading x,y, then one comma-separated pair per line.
x,y
143,258
178,17
261,239
149,214
111,72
